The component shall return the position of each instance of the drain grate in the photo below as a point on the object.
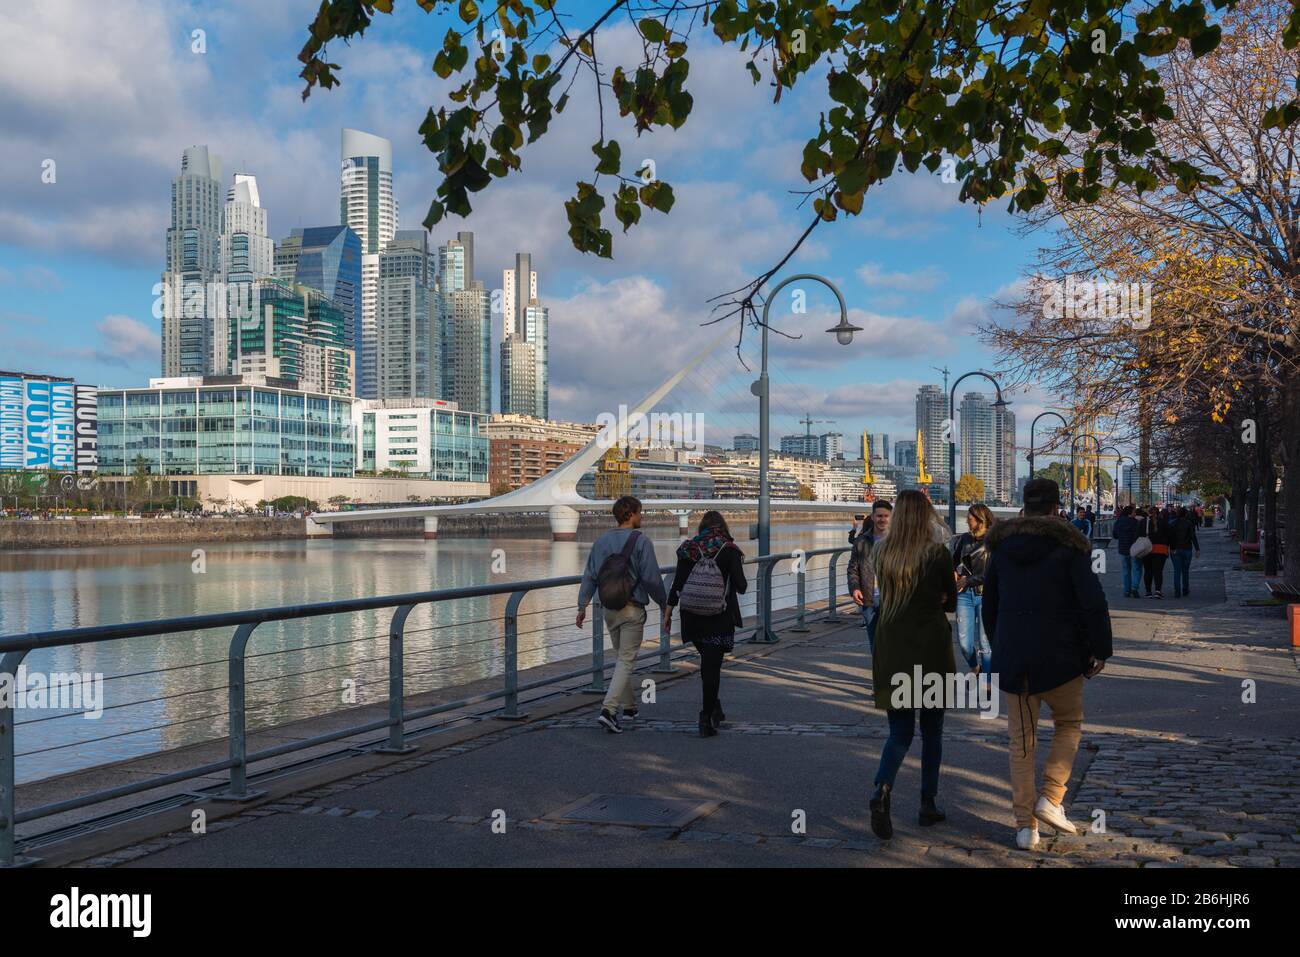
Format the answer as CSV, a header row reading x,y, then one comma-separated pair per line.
x,y
633,810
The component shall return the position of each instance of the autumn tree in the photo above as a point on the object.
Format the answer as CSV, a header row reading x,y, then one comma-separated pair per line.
x,y
970,488
1212,262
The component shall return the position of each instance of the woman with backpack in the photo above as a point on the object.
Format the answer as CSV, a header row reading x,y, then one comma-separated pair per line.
x,y
710,574
917,590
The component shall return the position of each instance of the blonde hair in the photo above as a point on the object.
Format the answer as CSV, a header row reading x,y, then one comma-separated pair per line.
x,y
900,558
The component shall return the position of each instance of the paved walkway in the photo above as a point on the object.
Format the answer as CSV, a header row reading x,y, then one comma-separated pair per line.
x,y
1175,766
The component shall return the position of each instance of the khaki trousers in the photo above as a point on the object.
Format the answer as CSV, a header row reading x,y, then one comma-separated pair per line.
x,y
1066,704
626,628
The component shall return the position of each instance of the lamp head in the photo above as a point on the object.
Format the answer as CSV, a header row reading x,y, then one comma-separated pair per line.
x,y
844,331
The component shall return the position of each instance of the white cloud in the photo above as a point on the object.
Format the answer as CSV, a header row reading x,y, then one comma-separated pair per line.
x,y
919,280
128,340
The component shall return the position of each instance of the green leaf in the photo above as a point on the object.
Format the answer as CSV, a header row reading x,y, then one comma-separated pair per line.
x,y
610,157
652,30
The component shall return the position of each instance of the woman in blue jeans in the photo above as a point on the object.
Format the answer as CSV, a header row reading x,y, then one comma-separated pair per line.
x,y
917,589
969,557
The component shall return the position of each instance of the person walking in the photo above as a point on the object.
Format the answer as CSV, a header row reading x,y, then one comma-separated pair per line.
x,y
1125,532
917,589
1183,543
1083,523
623,570
862,576
1153,566
1049,624
710,574
969,556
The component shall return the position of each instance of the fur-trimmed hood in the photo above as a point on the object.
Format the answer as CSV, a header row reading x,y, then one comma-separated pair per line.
x,y
1031,538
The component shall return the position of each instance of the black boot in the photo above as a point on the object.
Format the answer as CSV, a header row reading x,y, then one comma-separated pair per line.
x,y
931,813
707,730
718,717
881,825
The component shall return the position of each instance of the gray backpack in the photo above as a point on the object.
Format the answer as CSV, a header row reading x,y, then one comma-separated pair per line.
x,y
705,591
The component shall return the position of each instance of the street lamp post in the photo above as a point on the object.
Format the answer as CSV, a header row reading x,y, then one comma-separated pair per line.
x,y
843,335
1119,464
1031,435
952,443
1115,489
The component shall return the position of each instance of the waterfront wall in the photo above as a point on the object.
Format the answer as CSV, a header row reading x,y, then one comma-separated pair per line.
x,y
86,532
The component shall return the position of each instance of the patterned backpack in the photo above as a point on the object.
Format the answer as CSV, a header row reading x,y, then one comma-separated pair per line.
x,y
705,591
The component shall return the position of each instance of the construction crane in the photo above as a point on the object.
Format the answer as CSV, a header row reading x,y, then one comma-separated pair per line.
x,y
808,422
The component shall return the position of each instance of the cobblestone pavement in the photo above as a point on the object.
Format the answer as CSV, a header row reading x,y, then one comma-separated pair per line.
x,y
1174,771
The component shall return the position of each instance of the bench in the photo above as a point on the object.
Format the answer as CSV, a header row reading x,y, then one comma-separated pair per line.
x,y
1280,589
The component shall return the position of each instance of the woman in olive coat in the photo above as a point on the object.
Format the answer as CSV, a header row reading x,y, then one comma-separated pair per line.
x,y
913,642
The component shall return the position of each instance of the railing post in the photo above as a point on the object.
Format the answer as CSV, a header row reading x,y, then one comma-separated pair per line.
x,y
832,599
597,685
800,566
665,666
8,840
397,685
764,634
511,711
237,734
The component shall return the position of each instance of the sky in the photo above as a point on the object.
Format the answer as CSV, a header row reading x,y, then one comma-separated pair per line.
x,y
112,94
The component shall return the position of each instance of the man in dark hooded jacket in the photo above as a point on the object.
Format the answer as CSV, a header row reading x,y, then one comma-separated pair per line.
x,y
1046,617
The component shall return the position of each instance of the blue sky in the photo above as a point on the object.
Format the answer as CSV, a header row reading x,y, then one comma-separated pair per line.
x,y
113,93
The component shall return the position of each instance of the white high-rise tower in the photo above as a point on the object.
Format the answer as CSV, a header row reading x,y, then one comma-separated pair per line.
x,y
193,265
366,204
247,255
524,343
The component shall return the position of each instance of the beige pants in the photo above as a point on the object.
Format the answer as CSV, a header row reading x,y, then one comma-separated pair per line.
x,y
626,628
1066,704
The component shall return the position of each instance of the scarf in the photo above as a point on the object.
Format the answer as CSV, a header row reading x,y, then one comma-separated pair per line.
x,y
707,544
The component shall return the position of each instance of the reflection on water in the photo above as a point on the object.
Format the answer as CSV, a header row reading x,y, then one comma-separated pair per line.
x,y
170,690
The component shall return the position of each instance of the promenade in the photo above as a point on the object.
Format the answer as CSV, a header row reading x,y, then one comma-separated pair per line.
x,y
1184,772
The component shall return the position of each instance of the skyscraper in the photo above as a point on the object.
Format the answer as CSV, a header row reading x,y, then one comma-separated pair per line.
x,y
879,442
193,265
979,448
931,413
366,204
409,346
465,319
327,258
905,454
247,254
524,343
1004,431
296,333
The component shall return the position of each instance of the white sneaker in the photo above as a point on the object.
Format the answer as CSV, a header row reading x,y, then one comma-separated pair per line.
x,y
1027,838
1054,816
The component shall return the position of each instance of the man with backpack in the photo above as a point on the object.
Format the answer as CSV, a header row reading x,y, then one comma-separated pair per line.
x,y
623,570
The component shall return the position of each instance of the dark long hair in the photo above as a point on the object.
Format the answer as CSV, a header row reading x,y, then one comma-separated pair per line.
x,y
712,519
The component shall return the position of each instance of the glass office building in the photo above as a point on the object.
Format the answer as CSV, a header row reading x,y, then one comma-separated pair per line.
x,y
421,438
328,259
225,425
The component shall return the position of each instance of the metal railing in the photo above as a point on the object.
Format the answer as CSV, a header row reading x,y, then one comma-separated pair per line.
x,y
13,649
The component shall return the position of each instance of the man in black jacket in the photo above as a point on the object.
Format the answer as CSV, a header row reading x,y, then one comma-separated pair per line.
x,y
862,574
1125,533
1046,616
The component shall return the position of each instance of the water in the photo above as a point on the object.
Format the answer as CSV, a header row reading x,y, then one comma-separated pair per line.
x,y
170,690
